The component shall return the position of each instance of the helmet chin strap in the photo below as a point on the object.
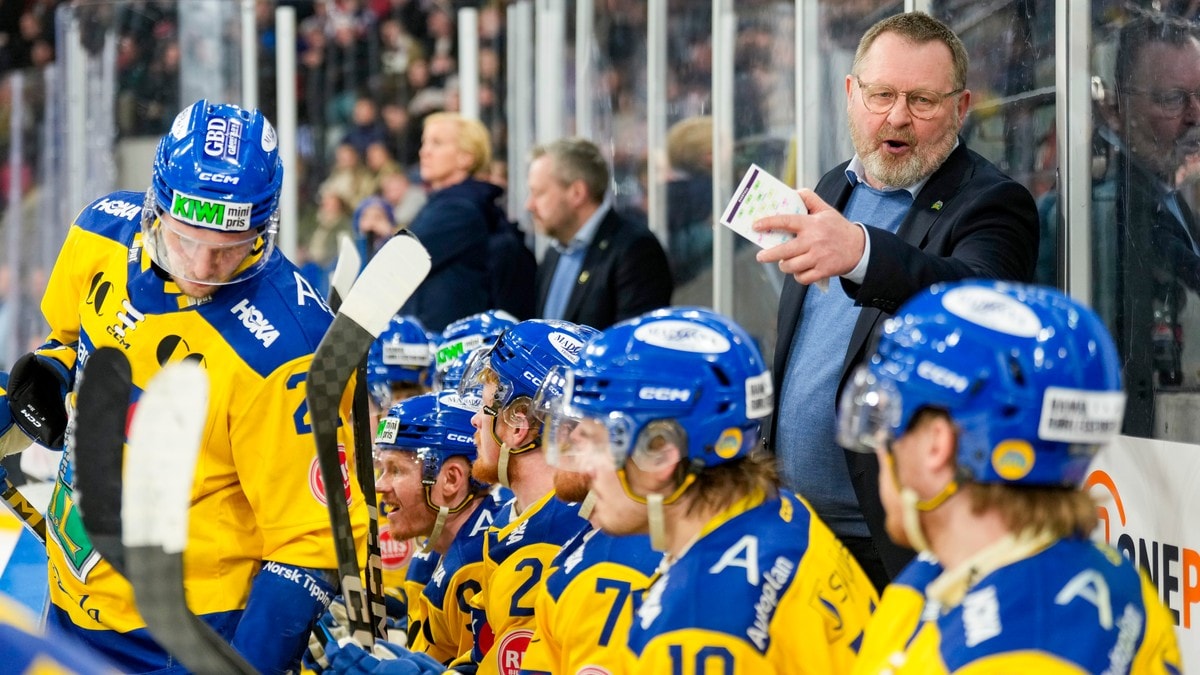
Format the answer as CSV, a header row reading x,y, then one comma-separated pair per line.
x,y
438,525
658,525
586,506
506,452
912,506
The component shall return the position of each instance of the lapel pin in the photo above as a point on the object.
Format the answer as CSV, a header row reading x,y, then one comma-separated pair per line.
x,y
937,206
583,276
603,244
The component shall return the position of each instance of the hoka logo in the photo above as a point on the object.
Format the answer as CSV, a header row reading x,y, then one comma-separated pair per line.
x,y
118,208
256,322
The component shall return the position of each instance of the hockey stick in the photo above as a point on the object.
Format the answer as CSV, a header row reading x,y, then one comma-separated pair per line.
x,y
386,283
340,282
98,447
21,508
345,271
164,442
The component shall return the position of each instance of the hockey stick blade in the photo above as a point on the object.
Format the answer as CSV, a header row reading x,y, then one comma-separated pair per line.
x,y
383,287
98,444
164,442
349,262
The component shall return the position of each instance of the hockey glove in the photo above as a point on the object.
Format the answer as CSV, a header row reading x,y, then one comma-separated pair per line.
x,y
350,658
37,392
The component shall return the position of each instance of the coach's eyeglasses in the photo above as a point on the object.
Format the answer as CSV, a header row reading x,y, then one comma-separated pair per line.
x,y
923,104
1171,102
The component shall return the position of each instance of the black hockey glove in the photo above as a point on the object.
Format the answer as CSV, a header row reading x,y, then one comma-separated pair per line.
x,y
37,391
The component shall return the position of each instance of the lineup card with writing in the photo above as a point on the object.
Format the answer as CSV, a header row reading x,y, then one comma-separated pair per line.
x,y
760,195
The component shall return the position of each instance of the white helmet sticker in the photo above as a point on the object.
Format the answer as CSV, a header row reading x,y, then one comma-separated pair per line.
x,y
992,309
269,139
470,404
566,345
214,214
760,395
389,427
179,127
683,336
1078,416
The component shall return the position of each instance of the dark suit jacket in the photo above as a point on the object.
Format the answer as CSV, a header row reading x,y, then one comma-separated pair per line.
x,y
969,220
625,273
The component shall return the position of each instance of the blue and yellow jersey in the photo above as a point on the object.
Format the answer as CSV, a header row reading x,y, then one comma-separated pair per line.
x,y
395,557
445,629
1050,606
517,553
257,493
418,571
28,652
766,588
584,609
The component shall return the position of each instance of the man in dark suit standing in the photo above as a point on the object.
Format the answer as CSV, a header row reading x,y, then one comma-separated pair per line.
x,y
913,207
601,268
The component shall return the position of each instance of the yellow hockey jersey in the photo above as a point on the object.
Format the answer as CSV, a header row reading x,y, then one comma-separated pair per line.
x,y
257,493
445,601
1058,606
765,588
517,553
584,609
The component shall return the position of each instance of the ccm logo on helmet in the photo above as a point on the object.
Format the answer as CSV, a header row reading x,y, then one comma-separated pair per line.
x,y
219,177
664,394
942,377
460,438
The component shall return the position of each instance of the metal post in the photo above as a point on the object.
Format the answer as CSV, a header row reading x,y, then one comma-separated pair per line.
x,y
724,29
285,124
468,62
585,40
656,118
249,55
1073,121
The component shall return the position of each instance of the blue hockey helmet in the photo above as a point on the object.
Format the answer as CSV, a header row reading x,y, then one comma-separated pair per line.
x,y
435,427
462,337
688,369
1029,376
218,168
522,357
403,352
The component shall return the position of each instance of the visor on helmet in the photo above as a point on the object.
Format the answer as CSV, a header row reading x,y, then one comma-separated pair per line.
x,y
202,255
869,412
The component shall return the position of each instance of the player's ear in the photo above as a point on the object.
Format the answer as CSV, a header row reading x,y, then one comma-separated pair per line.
x,y
456,473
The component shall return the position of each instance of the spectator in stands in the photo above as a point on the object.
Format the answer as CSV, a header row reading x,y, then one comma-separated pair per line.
x,y
350,179
365,127
405,199
373,224
333,219
601,268
401,136
689,197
